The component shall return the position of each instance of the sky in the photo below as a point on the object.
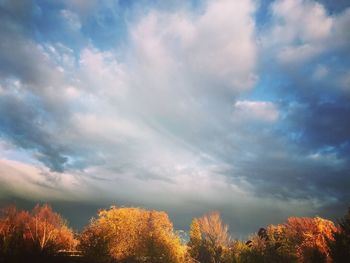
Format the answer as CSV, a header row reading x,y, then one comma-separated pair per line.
x,y
182,106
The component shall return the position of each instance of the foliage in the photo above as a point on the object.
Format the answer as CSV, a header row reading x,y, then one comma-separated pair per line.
x,y
139,235
310,235
132,235
94,242
41,232
209,238
300,239
195,239
340,243
235,252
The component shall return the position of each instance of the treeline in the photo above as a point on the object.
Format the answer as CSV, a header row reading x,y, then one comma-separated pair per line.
x,y
139,235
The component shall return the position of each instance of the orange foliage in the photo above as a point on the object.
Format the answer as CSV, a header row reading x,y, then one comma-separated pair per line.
x,y
309,234
307,237
48,230
139,235
41,231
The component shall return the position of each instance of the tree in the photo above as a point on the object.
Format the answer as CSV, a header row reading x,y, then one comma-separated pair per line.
x,y
254,252
300,239
236,253
94,242
41,232
214,231
163,244
12,233
195,239
340,242
209,238
48,231
310,235
131,235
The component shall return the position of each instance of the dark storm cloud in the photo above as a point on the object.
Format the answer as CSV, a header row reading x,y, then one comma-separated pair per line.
x,y
324,124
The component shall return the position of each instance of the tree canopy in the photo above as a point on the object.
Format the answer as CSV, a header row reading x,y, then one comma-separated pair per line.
x,y
41,232
129,234
132,235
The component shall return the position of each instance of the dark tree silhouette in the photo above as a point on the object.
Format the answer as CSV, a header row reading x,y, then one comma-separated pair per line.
x,y
340,246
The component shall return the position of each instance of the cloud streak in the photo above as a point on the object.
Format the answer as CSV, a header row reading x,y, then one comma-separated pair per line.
x,y
181,108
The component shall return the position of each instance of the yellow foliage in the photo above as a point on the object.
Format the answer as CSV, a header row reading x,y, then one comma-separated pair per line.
x,y
139,235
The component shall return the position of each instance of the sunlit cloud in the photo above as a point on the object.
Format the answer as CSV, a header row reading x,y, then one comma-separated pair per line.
x,y
180,106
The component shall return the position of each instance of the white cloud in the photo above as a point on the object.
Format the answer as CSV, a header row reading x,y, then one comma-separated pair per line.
x,y
37,182
302,30
303,20
128,121
212,50
146,118
298,54
255,110
101,74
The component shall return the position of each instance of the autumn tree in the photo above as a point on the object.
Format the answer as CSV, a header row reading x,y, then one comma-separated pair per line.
x,y
41,232
132,235
195,239
48,231
12,232
275,245
249,252
95,241
340,243
310,237
300,239
213,240
237,252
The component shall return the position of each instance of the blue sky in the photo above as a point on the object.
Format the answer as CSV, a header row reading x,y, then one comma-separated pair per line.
x,y
185,106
